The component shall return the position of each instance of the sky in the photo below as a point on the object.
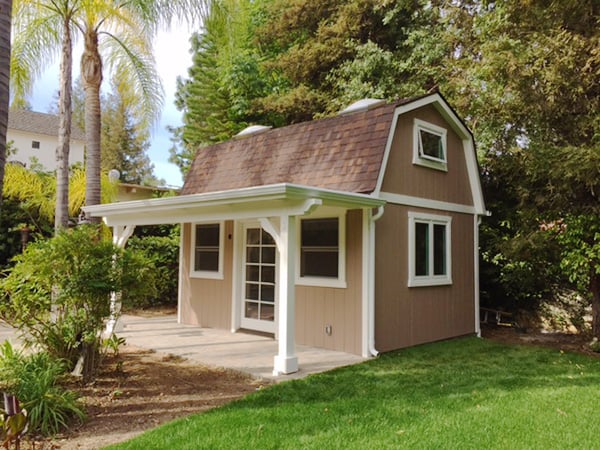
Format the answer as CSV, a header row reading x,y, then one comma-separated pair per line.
x,y
171,50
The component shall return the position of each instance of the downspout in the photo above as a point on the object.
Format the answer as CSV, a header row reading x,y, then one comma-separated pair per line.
x,y
373,218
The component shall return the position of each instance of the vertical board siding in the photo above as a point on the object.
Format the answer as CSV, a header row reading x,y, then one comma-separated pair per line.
x,y
404,177
409,316
207,302
317,307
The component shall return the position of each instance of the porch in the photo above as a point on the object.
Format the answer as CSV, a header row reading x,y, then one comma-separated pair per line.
x,y
245,352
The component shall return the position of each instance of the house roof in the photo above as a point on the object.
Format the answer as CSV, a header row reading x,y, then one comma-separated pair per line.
x,y
342,153
39,123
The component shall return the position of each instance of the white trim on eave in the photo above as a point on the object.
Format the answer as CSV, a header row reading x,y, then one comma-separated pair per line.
x,y
438,102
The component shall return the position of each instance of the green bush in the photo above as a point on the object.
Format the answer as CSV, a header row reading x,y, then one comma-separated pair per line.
x,y
58,293
34,380
163,251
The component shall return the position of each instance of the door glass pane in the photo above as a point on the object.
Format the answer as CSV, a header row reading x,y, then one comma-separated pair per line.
x,y
251,310
439,249
253,254
252,273
268,293
251,291
267,239
268,255
421,249
267,312
252,236
268,274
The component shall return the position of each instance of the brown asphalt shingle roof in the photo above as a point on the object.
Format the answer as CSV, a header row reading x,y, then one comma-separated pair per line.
x,y
39,123
341,153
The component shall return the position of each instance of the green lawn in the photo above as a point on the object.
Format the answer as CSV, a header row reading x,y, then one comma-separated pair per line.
x,y
465,393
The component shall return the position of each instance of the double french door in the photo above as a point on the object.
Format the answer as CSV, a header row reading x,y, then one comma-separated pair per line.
x,y
259,275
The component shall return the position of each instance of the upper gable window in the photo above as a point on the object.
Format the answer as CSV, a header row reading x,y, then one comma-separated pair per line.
x,y
429,145
207,250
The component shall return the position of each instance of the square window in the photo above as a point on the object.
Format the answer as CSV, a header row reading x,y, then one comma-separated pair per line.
x,y
207,250
429,145
429,250
35,144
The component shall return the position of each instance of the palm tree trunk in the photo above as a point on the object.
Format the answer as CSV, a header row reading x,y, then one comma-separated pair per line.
x,y
91,73
5,14
61,217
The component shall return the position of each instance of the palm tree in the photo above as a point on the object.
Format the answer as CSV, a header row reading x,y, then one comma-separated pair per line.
x,y
41,26
5,13
120,30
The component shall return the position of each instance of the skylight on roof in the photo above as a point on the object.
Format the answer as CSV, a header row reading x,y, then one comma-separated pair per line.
x,y
362,105
252,129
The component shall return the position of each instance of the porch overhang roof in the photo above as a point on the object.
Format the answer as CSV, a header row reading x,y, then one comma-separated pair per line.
x,y
246,203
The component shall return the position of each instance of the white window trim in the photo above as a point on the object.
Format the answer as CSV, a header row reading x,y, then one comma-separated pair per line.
x,y
428,280
216,275
425,160
340,281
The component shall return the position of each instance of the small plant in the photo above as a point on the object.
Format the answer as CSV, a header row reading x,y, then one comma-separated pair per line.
x,y
112,344
34,380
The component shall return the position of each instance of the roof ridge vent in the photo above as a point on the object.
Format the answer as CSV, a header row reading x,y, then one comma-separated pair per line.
x,y
362,105
251,130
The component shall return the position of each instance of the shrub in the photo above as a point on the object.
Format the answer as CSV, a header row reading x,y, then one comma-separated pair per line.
x,y
72,275
33,379
163,252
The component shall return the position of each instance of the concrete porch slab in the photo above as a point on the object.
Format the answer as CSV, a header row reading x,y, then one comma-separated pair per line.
x,y
220,348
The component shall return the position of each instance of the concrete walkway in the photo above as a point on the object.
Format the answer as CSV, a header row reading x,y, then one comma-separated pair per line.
x,y
220,348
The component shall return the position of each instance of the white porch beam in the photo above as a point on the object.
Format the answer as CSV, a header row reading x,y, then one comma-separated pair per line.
x,y
286,361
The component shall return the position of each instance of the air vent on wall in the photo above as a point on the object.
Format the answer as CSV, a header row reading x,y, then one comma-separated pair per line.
x,y
362,105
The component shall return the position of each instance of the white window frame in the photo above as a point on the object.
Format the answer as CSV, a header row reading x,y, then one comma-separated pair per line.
x,y
212,274
340,281
428,280
421,159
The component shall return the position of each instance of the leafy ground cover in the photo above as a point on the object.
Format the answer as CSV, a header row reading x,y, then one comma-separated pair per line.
x,y
466,393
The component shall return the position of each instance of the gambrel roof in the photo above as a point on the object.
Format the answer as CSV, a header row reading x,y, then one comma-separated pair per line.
x,y
342,153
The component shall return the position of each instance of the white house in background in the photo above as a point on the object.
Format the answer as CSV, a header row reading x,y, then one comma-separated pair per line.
x,y
35,138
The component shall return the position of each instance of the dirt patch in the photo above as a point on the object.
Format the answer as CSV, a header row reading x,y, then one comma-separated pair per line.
x,y
139,390
571,342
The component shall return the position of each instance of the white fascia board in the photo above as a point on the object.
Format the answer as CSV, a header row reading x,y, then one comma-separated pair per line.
x,y
260,201
419,202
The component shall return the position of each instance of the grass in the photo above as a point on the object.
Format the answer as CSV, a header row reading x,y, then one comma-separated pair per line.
x,y
459,394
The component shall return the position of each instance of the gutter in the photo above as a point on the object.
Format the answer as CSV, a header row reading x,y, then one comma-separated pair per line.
x,y
371,295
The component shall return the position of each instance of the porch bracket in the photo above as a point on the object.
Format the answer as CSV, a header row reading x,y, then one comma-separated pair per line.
x,y
286,361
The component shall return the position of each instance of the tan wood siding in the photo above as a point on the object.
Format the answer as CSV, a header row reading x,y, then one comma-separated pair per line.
x,y
207,302
318,307
409,316
404,177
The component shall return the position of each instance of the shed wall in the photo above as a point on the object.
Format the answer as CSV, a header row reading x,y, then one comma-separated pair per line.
x,y
318,307
406,316
207,302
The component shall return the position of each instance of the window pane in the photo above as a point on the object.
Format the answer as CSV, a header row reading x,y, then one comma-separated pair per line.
x,y
267,312
319,253
207,260
320,232
251,310
268,274
253,254
267,293
253,236
421,249
251,291
252,273
268,255
267,239
439,249
207,235
431,145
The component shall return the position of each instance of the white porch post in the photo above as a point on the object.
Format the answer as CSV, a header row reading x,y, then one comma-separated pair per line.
x,y
286,361
120,236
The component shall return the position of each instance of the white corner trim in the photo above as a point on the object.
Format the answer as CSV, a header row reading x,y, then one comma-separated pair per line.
x,y
180,274
419,202
476,223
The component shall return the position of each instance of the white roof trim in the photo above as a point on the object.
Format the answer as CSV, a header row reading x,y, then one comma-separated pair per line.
x,y
253,202
438,102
